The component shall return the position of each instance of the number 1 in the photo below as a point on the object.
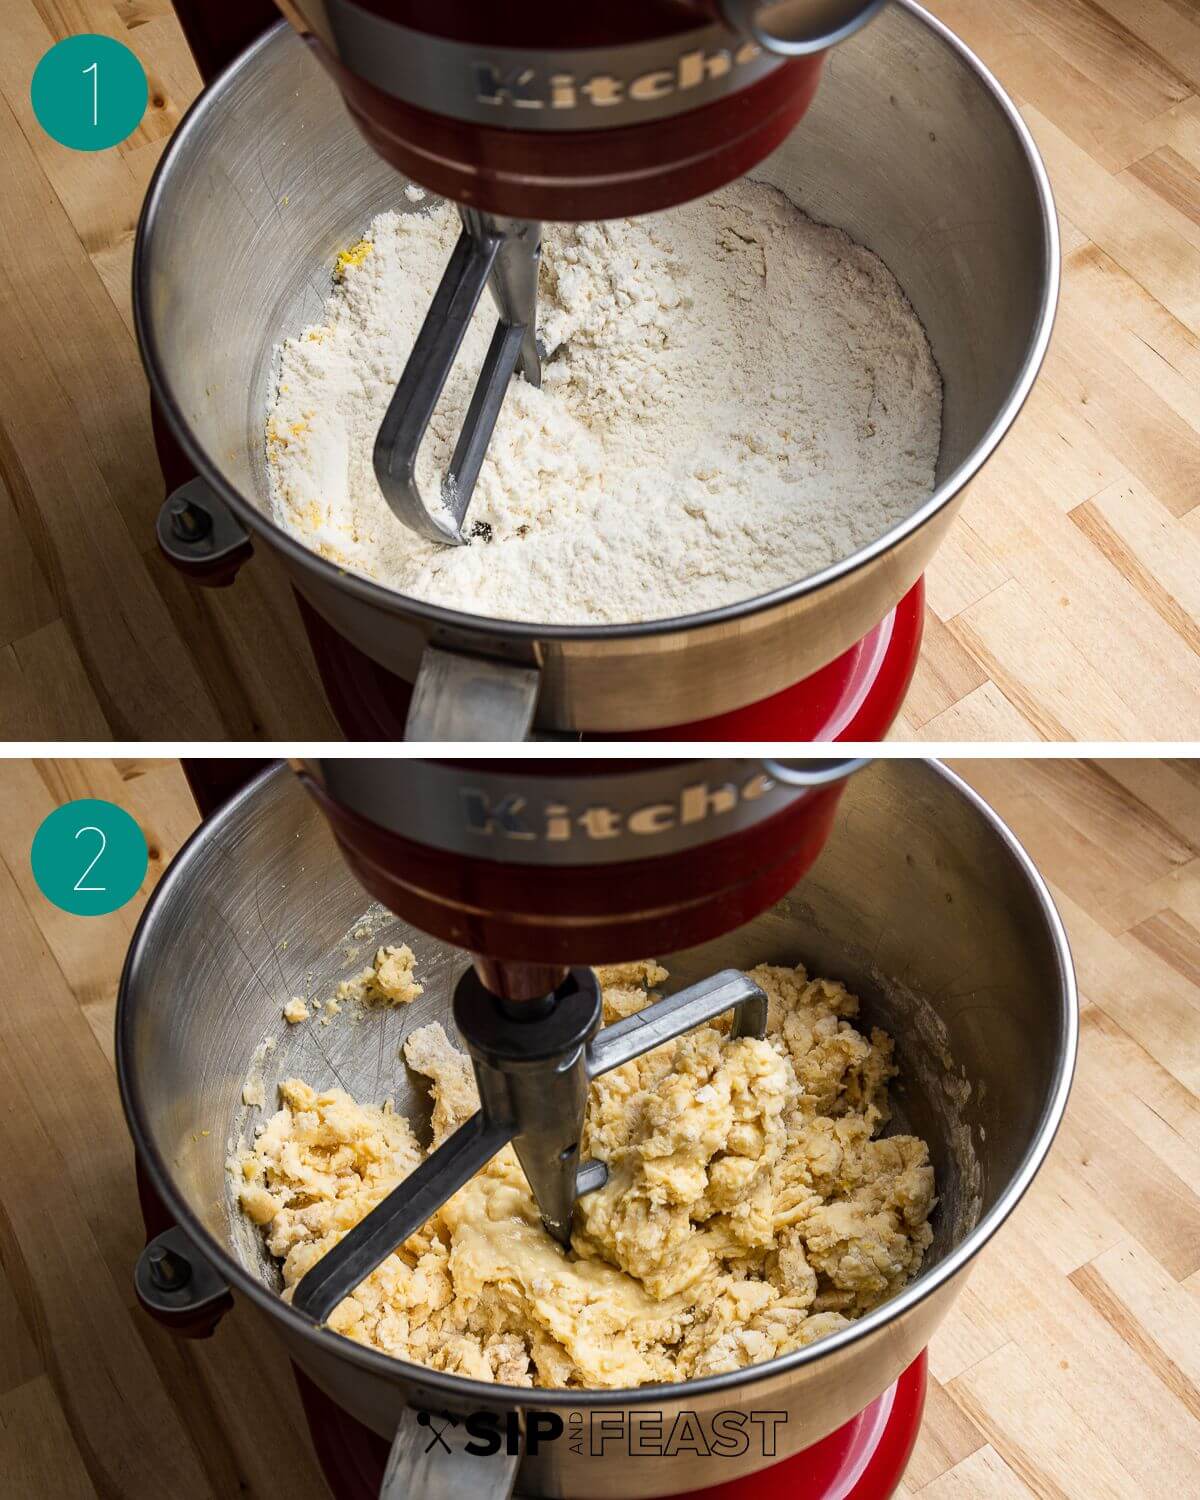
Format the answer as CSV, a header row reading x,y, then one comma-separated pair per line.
x,y
79,885
94,70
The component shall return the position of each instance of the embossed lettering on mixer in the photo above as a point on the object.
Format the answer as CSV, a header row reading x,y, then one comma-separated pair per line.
x,y
697,803
733,397
519,87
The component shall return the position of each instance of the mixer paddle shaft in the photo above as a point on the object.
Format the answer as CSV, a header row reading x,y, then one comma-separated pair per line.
x,y
491,251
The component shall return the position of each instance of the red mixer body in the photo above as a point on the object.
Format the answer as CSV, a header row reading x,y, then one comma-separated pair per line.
x,y
584,909
669,105
853,699
559,146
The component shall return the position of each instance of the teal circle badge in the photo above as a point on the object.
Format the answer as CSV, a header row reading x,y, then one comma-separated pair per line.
x,y
89,92
89,857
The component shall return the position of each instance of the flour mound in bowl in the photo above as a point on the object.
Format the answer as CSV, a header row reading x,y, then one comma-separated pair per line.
x,y
733,398
752,1205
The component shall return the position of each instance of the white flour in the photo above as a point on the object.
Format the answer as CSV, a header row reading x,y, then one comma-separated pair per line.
x,y
739,398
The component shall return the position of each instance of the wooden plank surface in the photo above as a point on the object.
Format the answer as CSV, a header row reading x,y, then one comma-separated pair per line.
x,y
1063,605
1069,1367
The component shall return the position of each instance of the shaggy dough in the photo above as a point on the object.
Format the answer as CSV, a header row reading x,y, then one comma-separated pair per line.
x,y
751,1205
390,979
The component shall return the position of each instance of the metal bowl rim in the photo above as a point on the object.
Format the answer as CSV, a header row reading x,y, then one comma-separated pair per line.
x,y
374,1362
391,601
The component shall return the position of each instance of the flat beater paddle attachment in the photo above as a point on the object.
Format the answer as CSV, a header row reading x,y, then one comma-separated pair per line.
x,y
491,251
533,1063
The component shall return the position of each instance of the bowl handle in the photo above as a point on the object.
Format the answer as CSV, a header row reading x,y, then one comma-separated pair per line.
x,y
430,1457
201,536
174,1282
458,697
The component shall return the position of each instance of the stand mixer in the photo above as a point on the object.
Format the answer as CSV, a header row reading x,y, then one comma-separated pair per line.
x,y
555,113
594,113
538,869
535,868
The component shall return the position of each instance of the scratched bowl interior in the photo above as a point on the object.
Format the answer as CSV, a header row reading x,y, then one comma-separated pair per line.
x,y
917,903
905,148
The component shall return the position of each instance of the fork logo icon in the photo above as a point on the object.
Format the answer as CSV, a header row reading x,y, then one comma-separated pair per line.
x,y
426,1420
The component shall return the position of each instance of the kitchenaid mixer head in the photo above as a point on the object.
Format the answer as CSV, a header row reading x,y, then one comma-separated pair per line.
x,y
554,112
570,858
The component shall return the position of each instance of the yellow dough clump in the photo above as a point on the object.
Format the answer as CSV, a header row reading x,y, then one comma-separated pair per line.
x,y
751,1205
354,256
389,980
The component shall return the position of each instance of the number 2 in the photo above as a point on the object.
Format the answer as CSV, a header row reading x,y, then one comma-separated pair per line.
x,y
79,885
94,70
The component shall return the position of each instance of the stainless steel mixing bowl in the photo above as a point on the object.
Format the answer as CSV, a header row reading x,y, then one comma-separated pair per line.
x,y
922,902
911,147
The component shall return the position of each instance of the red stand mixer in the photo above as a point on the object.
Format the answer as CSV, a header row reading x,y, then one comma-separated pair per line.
x,y
548,113
532,866
537,868
650,826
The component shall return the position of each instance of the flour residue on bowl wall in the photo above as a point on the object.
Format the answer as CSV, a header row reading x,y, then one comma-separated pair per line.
x,y
733,398
931,1073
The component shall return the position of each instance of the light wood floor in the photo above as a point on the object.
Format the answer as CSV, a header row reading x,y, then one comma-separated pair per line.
x,y
1068,1370
1064,605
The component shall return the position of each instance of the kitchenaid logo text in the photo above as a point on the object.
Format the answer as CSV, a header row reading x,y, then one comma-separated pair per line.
x,y
529,88
601,1434
511,817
